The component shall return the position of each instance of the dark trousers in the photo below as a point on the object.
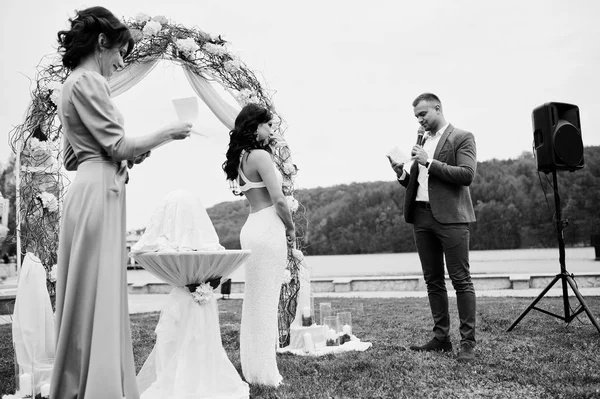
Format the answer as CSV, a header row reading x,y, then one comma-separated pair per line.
x,y
434,240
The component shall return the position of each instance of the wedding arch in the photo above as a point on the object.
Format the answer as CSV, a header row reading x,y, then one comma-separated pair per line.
x,y
206,61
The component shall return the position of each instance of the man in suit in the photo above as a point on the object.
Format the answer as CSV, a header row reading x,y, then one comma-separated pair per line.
x,y
439,206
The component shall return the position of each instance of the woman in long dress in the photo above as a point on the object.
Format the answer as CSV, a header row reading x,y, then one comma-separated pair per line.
x,y
249,163
94,356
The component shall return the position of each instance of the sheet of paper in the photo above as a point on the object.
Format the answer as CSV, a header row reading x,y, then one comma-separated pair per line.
x,y
397,155
186,109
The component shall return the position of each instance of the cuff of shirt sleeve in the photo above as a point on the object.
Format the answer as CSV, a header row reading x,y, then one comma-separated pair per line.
x,y
401,178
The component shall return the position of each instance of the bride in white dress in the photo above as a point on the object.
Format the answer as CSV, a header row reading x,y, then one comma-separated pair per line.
x,y
249,163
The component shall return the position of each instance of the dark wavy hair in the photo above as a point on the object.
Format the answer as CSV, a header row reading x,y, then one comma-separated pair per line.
x,y
243,137
82,39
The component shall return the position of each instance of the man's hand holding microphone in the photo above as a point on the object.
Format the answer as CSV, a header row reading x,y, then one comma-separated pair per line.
x,y
418,154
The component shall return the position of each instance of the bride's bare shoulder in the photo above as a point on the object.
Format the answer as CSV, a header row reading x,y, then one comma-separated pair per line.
x,y
259,156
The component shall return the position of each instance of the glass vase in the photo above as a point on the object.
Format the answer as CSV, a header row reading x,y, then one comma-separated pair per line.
x,y
331,324
324,311
346,326
308,315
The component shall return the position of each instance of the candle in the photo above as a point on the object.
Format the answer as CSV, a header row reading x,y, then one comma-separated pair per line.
x,y
45,390
306,311
347,329
306,317
331,334
309,345
25,384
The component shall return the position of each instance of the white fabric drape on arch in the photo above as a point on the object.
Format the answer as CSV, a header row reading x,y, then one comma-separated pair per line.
x,y
127,78
221,108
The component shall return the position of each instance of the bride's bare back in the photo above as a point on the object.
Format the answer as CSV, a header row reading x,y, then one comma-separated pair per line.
x,y
258,167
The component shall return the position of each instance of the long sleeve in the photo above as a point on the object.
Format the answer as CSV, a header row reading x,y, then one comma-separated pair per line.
x,y
403,180
460,161
91,99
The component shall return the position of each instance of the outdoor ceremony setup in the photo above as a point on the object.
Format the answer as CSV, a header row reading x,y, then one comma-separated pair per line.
x,y
180,245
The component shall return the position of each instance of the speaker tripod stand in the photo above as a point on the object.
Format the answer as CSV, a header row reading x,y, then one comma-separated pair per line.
x,y
563,276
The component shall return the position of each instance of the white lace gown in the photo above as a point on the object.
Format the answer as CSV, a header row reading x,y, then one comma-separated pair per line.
x,y
264,234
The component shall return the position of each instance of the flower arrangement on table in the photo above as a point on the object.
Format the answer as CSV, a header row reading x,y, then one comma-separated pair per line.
x,y
203,293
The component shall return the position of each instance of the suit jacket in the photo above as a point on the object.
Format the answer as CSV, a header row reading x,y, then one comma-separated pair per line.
x,y
450,174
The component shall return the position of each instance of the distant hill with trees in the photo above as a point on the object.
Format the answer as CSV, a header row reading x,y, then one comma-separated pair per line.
x,y
514,206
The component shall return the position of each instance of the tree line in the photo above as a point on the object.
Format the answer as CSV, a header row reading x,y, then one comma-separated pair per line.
x,y
514,206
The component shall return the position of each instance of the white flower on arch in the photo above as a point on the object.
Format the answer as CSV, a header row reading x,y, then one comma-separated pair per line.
x,y
245,97
49,201
54,88
215,49
233,66
287,276
151,28
161,19
292,203
187,47
142,17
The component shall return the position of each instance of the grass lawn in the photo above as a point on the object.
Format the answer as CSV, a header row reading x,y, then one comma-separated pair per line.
x,y
542,357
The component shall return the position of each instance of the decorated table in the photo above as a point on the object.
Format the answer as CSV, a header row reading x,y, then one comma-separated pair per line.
x,y
188,359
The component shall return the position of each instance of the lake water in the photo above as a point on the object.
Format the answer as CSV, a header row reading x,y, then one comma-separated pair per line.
x,y
514,261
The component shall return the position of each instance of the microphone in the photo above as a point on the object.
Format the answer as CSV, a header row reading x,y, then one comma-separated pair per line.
x,y
420,134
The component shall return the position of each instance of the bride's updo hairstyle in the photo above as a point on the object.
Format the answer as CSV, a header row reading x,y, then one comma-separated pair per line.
x,y
243,137
82,39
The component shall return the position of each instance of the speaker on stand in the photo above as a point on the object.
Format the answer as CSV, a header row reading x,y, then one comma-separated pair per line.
x,y
557,137
558,146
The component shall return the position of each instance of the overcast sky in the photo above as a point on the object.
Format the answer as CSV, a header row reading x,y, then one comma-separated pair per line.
x,y
343,75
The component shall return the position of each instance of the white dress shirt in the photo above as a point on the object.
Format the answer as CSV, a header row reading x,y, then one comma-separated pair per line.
x,y
429,147
431,142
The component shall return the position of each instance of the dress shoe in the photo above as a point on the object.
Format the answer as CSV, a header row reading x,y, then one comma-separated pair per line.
x,y
467,353
435,345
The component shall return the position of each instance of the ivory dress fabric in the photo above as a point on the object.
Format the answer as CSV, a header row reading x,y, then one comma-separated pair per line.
x,y
94,356
264,234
